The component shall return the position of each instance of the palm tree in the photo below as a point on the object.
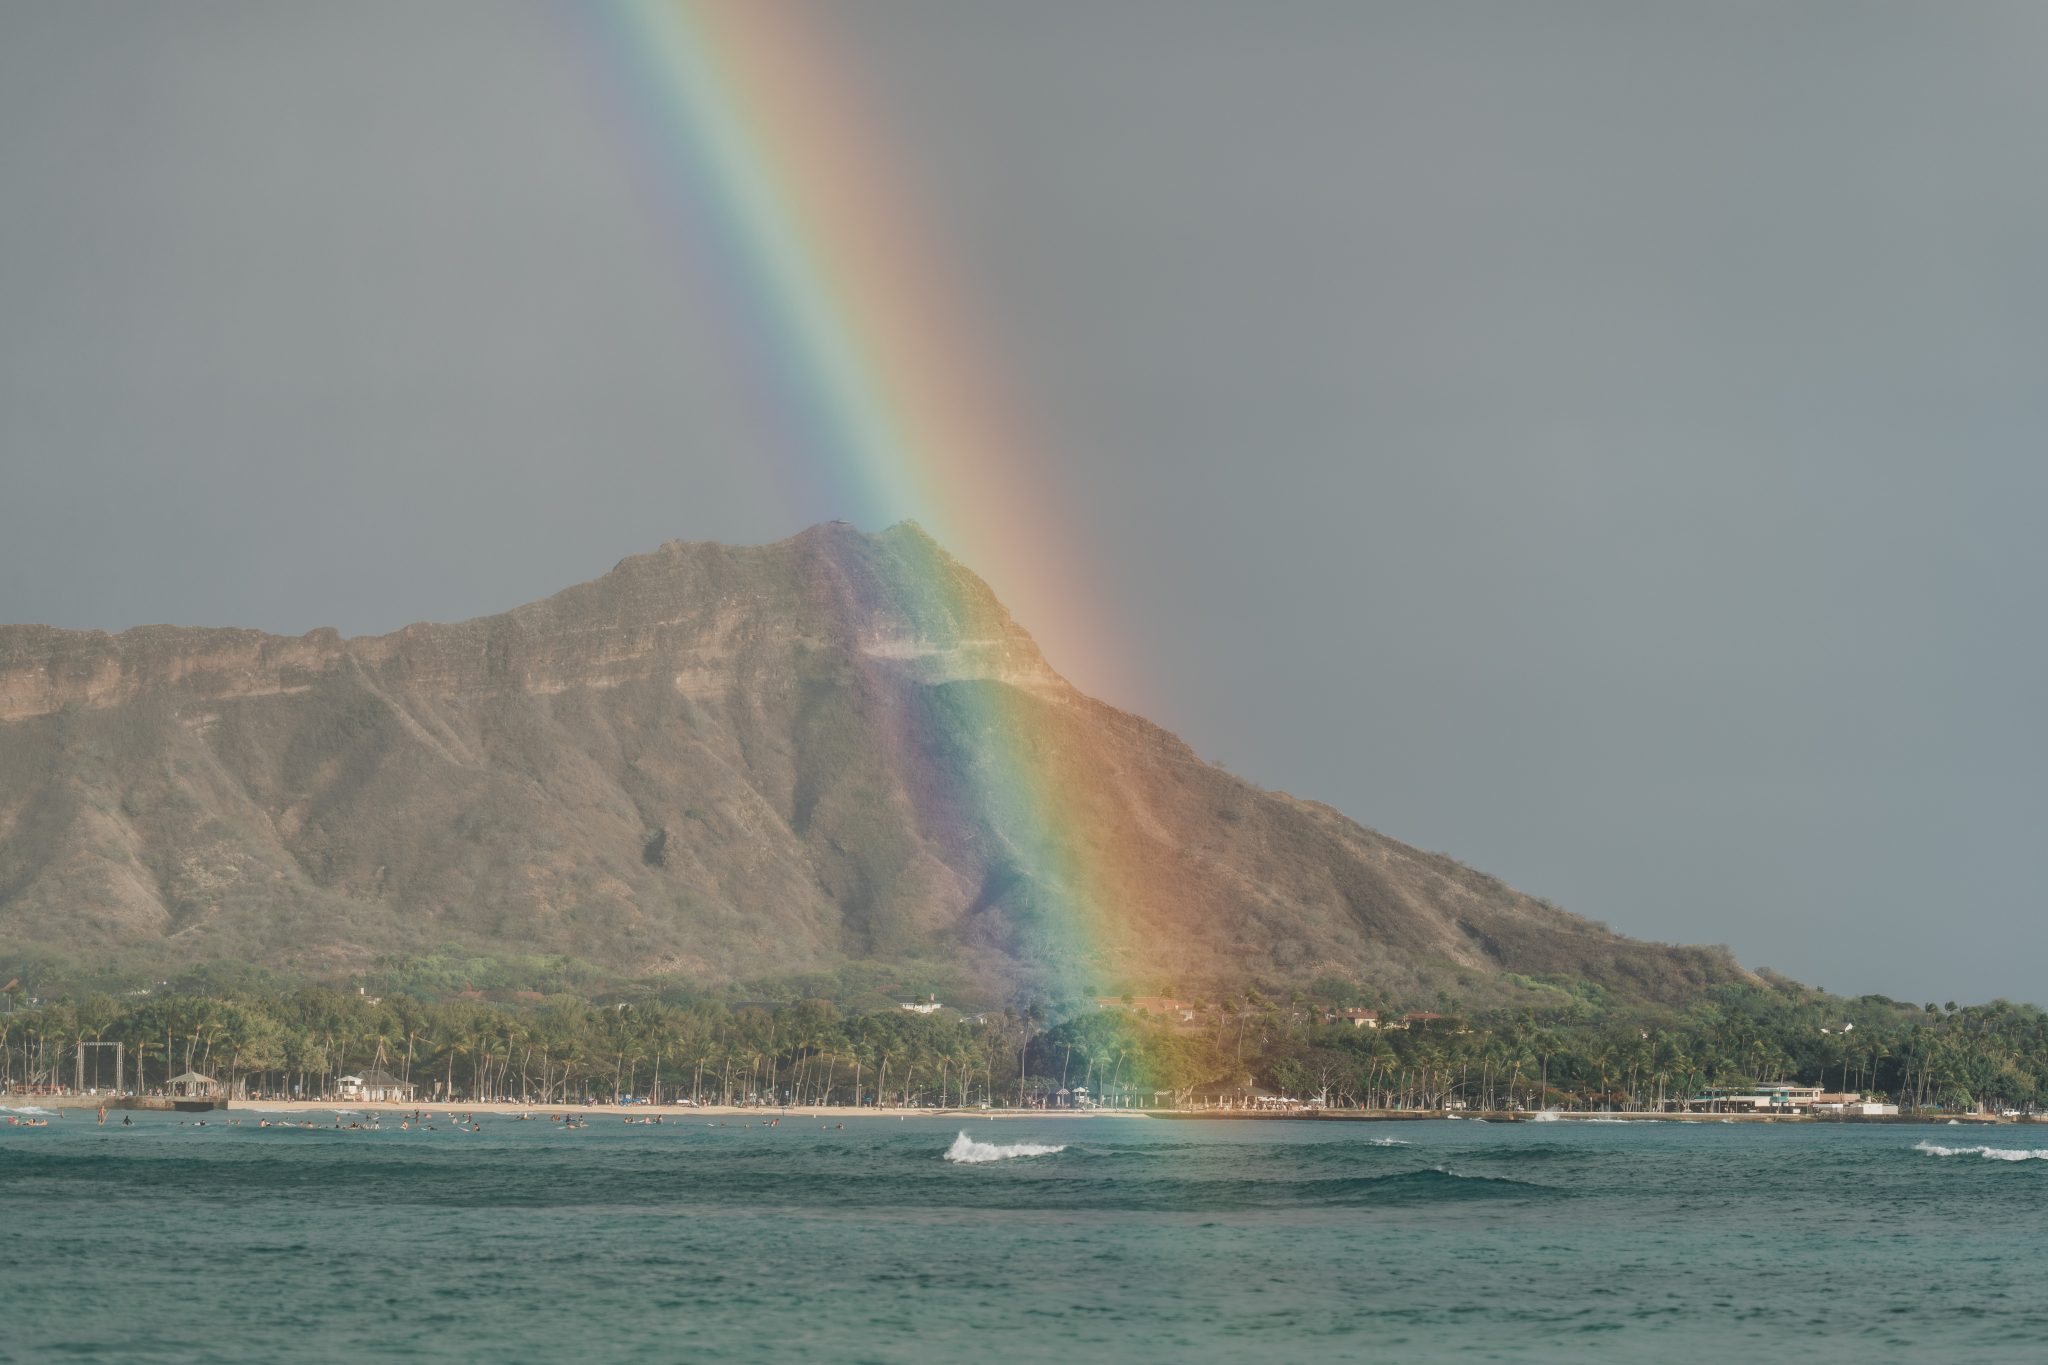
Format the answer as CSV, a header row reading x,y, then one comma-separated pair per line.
x,y
1545,1043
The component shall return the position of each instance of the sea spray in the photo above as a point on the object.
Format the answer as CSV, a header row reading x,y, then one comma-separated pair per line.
x,y
969,1152
1988,1153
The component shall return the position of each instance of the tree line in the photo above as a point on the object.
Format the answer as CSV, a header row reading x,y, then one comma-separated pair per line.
x,y
561,1049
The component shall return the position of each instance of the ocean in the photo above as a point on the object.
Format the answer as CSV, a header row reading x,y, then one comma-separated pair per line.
x,y
945,1240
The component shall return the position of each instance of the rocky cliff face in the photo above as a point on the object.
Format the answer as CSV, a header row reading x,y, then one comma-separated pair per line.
x,y
714,761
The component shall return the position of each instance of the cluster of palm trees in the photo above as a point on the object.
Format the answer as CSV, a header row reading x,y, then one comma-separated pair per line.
x,y
559,1049
301,1043
1925,1058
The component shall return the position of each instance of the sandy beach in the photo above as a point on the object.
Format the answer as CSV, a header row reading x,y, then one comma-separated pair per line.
x,y
514,1110
669,1112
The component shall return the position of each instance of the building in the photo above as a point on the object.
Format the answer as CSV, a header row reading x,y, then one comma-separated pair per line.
x,y
376,1087
929,1005
1768,1097
1355,1018
1854,1106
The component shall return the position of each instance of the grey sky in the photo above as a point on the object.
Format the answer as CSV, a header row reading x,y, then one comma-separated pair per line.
x,y
1602,442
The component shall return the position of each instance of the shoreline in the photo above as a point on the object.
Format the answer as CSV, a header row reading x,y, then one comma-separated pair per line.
x,y
511,1110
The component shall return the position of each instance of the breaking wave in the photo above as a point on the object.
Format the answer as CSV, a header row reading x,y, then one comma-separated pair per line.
x,y
965,1149
1173,1194
35,1109
1988,1153
1616,1120
1387,1142
1438,1184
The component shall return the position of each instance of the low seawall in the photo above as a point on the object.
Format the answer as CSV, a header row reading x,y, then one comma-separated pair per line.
x,y
1580,1116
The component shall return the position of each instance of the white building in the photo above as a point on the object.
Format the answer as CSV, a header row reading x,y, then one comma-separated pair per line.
x,y
1782,1097
375,1087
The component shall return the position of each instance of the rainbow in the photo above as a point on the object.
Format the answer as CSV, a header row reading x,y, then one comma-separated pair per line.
x,y
849,331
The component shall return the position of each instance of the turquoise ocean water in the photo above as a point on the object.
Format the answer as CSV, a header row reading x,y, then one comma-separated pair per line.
x,y
1136,1239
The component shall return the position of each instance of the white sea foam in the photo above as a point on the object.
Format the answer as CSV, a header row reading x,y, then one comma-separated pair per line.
x,y
1988,1153
35,1109
1544,1116
1388,1142
965,1149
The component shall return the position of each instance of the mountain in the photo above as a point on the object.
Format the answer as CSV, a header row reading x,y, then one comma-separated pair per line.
x,y
725,763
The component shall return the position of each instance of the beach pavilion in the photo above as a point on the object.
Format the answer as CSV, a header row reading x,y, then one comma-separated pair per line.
x,y
190,1085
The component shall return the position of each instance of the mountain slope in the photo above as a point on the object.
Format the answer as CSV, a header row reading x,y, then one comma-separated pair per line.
x,y
722,762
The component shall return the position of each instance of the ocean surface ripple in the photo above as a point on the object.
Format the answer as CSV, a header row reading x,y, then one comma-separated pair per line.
x,y
1018,1239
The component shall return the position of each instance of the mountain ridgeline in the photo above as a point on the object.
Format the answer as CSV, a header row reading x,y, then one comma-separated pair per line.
x,y
722,763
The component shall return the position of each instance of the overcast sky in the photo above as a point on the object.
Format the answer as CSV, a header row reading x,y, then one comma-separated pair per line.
x,y
1604,442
